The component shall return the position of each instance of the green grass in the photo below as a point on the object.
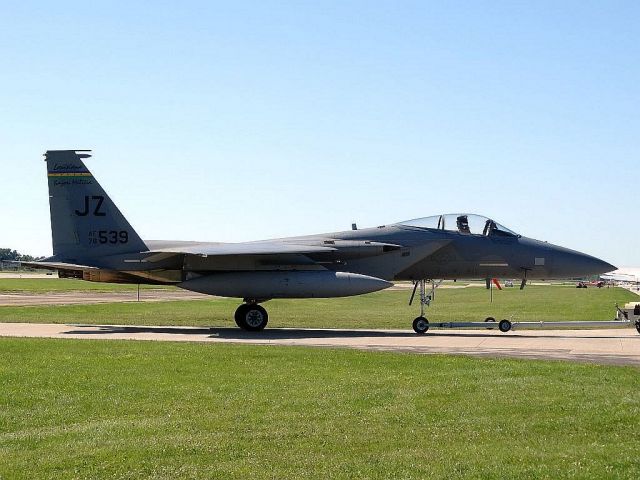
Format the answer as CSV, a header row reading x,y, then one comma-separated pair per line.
x,y
107,409
386,309
45,285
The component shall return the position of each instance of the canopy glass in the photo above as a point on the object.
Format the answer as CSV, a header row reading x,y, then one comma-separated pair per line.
x,y
465,223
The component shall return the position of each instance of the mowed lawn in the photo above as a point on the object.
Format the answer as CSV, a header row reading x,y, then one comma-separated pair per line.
x,y
386,309
30,284
125,409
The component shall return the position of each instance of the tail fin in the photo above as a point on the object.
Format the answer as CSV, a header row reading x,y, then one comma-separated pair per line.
x,y
85,223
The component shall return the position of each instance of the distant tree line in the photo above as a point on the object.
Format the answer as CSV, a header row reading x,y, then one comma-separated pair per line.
x,y
6,254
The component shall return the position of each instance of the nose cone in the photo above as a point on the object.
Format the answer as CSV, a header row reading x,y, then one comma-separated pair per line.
x,y
571,264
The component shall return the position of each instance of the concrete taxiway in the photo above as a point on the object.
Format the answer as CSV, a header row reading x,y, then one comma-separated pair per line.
x,y
620,346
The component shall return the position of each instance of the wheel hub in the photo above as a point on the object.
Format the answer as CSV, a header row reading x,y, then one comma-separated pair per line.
x,y
254,318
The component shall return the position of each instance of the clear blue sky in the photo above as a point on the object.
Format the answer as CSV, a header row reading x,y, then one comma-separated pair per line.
x,y
247,120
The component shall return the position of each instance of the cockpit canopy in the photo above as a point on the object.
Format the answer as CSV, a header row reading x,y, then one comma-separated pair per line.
x,y
464,223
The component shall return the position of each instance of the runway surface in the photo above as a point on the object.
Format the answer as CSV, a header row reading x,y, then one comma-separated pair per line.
x,y
619,346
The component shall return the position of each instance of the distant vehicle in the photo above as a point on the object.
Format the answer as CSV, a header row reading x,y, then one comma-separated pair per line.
x,y
598,284
93,241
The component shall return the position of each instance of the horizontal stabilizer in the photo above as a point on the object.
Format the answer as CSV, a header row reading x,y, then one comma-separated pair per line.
x,y
56,266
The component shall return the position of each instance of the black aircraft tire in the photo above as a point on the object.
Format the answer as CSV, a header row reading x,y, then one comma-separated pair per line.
x,y
420,325
239,316
638,325
504,326
254,318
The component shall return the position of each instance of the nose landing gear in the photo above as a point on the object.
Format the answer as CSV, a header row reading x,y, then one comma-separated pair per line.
x,y
421,324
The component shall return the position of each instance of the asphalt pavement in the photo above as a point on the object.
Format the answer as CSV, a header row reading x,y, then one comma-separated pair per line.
x,y
619,346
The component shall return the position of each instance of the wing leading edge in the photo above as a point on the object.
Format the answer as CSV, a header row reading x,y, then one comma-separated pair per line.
x,y
252,248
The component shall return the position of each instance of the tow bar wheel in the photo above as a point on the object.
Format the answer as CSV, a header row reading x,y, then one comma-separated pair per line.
x,y
638,325
504,326
420,325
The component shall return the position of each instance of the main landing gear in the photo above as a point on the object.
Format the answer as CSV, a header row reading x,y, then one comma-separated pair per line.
x,y
251,316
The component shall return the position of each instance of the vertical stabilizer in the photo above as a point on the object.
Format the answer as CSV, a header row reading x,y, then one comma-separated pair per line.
x,y
85,223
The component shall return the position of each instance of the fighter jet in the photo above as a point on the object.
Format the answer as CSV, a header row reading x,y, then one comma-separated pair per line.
x,y
93,241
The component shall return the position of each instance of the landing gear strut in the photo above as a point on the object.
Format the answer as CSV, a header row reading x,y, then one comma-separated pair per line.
x,y
251,316
421,324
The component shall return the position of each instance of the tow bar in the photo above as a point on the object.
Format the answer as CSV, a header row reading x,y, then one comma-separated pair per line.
x,y
629,315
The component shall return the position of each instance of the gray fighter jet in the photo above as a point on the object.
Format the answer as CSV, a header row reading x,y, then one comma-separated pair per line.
x,y
93,241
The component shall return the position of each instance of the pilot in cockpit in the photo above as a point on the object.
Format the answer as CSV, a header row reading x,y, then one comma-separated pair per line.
x,y
489,227
463,224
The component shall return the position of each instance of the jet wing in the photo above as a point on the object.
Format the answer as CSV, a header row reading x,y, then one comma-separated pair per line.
x,y
251,248
275,252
